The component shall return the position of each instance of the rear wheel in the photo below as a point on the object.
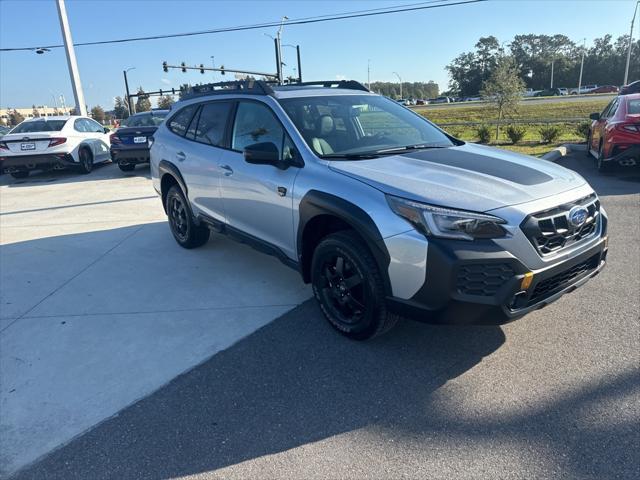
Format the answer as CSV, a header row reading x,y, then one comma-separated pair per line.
x,y
349,288
86,161
600,163
183,227
24,174
126,167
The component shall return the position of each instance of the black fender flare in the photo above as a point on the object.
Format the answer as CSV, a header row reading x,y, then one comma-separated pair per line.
x,y
167,168
315,203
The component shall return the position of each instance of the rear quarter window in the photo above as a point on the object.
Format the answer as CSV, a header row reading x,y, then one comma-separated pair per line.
x,y
633,107
179,123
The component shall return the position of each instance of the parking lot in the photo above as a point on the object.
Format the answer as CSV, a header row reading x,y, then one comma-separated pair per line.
x,y
124,356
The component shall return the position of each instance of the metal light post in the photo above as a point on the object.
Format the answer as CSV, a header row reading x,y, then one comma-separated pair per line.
x,y
78,94
297,47
552,62
584,47
396,74
369,74
131,108
279,48
626,70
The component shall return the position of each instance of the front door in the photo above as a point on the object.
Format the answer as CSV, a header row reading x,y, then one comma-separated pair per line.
x,y
258,198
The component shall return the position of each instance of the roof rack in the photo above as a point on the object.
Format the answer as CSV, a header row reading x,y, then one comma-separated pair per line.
x,y
346,84
255,87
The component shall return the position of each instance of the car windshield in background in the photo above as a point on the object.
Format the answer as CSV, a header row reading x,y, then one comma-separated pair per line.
x,y
40,126
361,126
145,119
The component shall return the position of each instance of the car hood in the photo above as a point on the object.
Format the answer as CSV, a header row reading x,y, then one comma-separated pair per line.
x,y
469,177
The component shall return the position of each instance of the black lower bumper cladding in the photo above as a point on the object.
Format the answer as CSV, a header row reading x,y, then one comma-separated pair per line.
x,y
25,163
132,156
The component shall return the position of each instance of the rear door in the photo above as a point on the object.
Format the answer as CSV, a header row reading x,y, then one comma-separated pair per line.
x,y
99,139
600,125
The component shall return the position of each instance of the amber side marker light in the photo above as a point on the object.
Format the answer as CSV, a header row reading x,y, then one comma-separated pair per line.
x,y
526,281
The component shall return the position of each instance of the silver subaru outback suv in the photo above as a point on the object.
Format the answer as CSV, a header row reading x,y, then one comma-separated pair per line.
x,y
385,214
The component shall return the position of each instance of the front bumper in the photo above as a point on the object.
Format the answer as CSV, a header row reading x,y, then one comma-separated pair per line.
x,y
481,283
25,163
130,156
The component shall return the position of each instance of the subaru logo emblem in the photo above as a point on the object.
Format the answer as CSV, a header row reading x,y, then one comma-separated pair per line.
x,y
577,216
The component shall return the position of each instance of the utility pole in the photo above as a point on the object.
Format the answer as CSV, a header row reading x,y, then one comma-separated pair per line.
x,y
396,74
626,70
299,64
369,74
279,49
584,47
213,64
126,86
78,94
552,61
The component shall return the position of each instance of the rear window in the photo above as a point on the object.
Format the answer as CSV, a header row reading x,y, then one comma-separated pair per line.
x,y
145,120
40,126
634,107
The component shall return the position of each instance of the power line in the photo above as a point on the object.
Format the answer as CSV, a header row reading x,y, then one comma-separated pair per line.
x,y
299,21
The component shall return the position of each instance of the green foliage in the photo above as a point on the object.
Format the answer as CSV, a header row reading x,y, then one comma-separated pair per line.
x,y
165,102
483,132
583,128
97,113
504,88
516,133
417,90
184,89
143,104
120,109
549,133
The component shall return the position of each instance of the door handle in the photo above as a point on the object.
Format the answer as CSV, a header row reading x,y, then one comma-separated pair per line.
x,y
181,156
228,171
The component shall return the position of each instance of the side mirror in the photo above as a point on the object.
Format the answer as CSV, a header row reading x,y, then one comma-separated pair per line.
x,y
594,116
264,153
107,130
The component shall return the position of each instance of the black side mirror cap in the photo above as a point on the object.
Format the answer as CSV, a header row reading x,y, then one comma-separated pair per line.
x,y
264,153
594,116
107,130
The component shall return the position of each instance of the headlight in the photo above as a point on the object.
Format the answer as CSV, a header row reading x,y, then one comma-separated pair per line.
x,y
446,222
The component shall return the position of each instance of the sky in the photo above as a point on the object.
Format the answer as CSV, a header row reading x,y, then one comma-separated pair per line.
x,y
417,45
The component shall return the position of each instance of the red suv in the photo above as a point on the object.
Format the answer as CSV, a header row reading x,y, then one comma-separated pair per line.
x,y
614,136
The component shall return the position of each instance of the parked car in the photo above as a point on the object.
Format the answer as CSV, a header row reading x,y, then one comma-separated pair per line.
x,y
4,131
421,102
583,89
549,92
130,143
614,136
439,100
564,91
605,89
633,87
529,92
45,143
383,219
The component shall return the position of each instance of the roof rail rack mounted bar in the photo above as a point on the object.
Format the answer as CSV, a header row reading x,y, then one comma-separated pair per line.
x,y
249,87
346,84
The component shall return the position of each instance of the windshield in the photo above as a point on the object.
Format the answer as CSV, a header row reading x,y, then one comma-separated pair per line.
x,y
145,119
39,126
351,126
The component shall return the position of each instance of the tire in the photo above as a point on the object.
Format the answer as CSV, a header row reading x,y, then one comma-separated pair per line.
x,y
184,229
86,161
127,167
589,145
20,175
349,288
600,163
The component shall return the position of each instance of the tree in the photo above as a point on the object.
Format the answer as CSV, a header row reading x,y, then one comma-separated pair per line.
x,y
184,89
15,117
504,88
165,102
36,113
97,113
120,110
143,104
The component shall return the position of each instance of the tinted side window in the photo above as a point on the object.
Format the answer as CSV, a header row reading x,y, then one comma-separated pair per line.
x,y
95,126
634,107
256,123
180,121
212,123
79,125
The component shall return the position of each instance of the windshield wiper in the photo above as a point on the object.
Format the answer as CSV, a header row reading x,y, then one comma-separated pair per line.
x,y
352,156
419,146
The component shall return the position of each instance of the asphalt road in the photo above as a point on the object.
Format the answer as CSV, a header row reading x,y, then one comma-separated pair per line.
x,y
527,101
553,395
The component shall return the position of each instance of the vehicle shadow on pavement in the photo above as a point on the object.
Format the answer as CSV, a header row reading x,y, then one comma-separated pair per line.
x,y
101,171
293,382
618,181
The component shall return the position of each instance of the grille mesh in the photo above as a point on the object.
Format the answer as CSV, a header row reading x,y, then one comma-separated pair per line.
x,y
484,279
550,285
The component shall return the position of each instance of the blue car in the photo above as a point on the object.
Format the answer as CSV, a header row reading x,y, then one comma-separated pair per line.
x,y
130,143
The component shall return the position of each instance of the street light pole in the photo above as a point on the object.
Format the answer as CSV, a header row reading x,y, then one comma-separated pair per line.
x,y
552,62
369,74
584,47
279,49
131,108
626,70
74,73
396,74
213,64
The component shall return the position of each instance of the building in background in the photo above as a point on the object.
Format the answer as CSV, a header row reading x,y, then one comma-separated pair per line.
x,y
37,111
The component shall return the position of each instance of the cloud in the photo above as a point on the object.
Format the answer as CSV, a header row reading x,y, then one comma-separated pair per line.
x,y
166,81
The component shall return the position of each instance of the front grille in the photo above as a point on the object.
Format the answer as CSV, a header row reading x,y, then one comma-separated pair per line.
x,y
484,279
550,231
553,284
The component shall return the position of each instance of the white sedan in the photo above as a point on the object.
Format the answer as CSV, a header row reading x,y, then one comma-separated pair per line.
x,y
46,143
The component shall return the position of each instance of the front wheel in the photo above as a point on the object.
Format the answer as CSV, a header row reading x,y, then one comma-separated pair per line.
x,y
186,232
349,288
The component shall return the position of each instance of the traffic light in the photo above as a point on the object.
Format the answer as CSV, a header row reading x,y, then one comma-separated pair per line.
x,y
184,69
164,66
222,69
201,68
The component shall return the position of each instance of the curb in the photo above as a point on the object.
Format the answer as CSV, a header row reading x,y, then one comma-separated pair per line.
x,y
563,150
